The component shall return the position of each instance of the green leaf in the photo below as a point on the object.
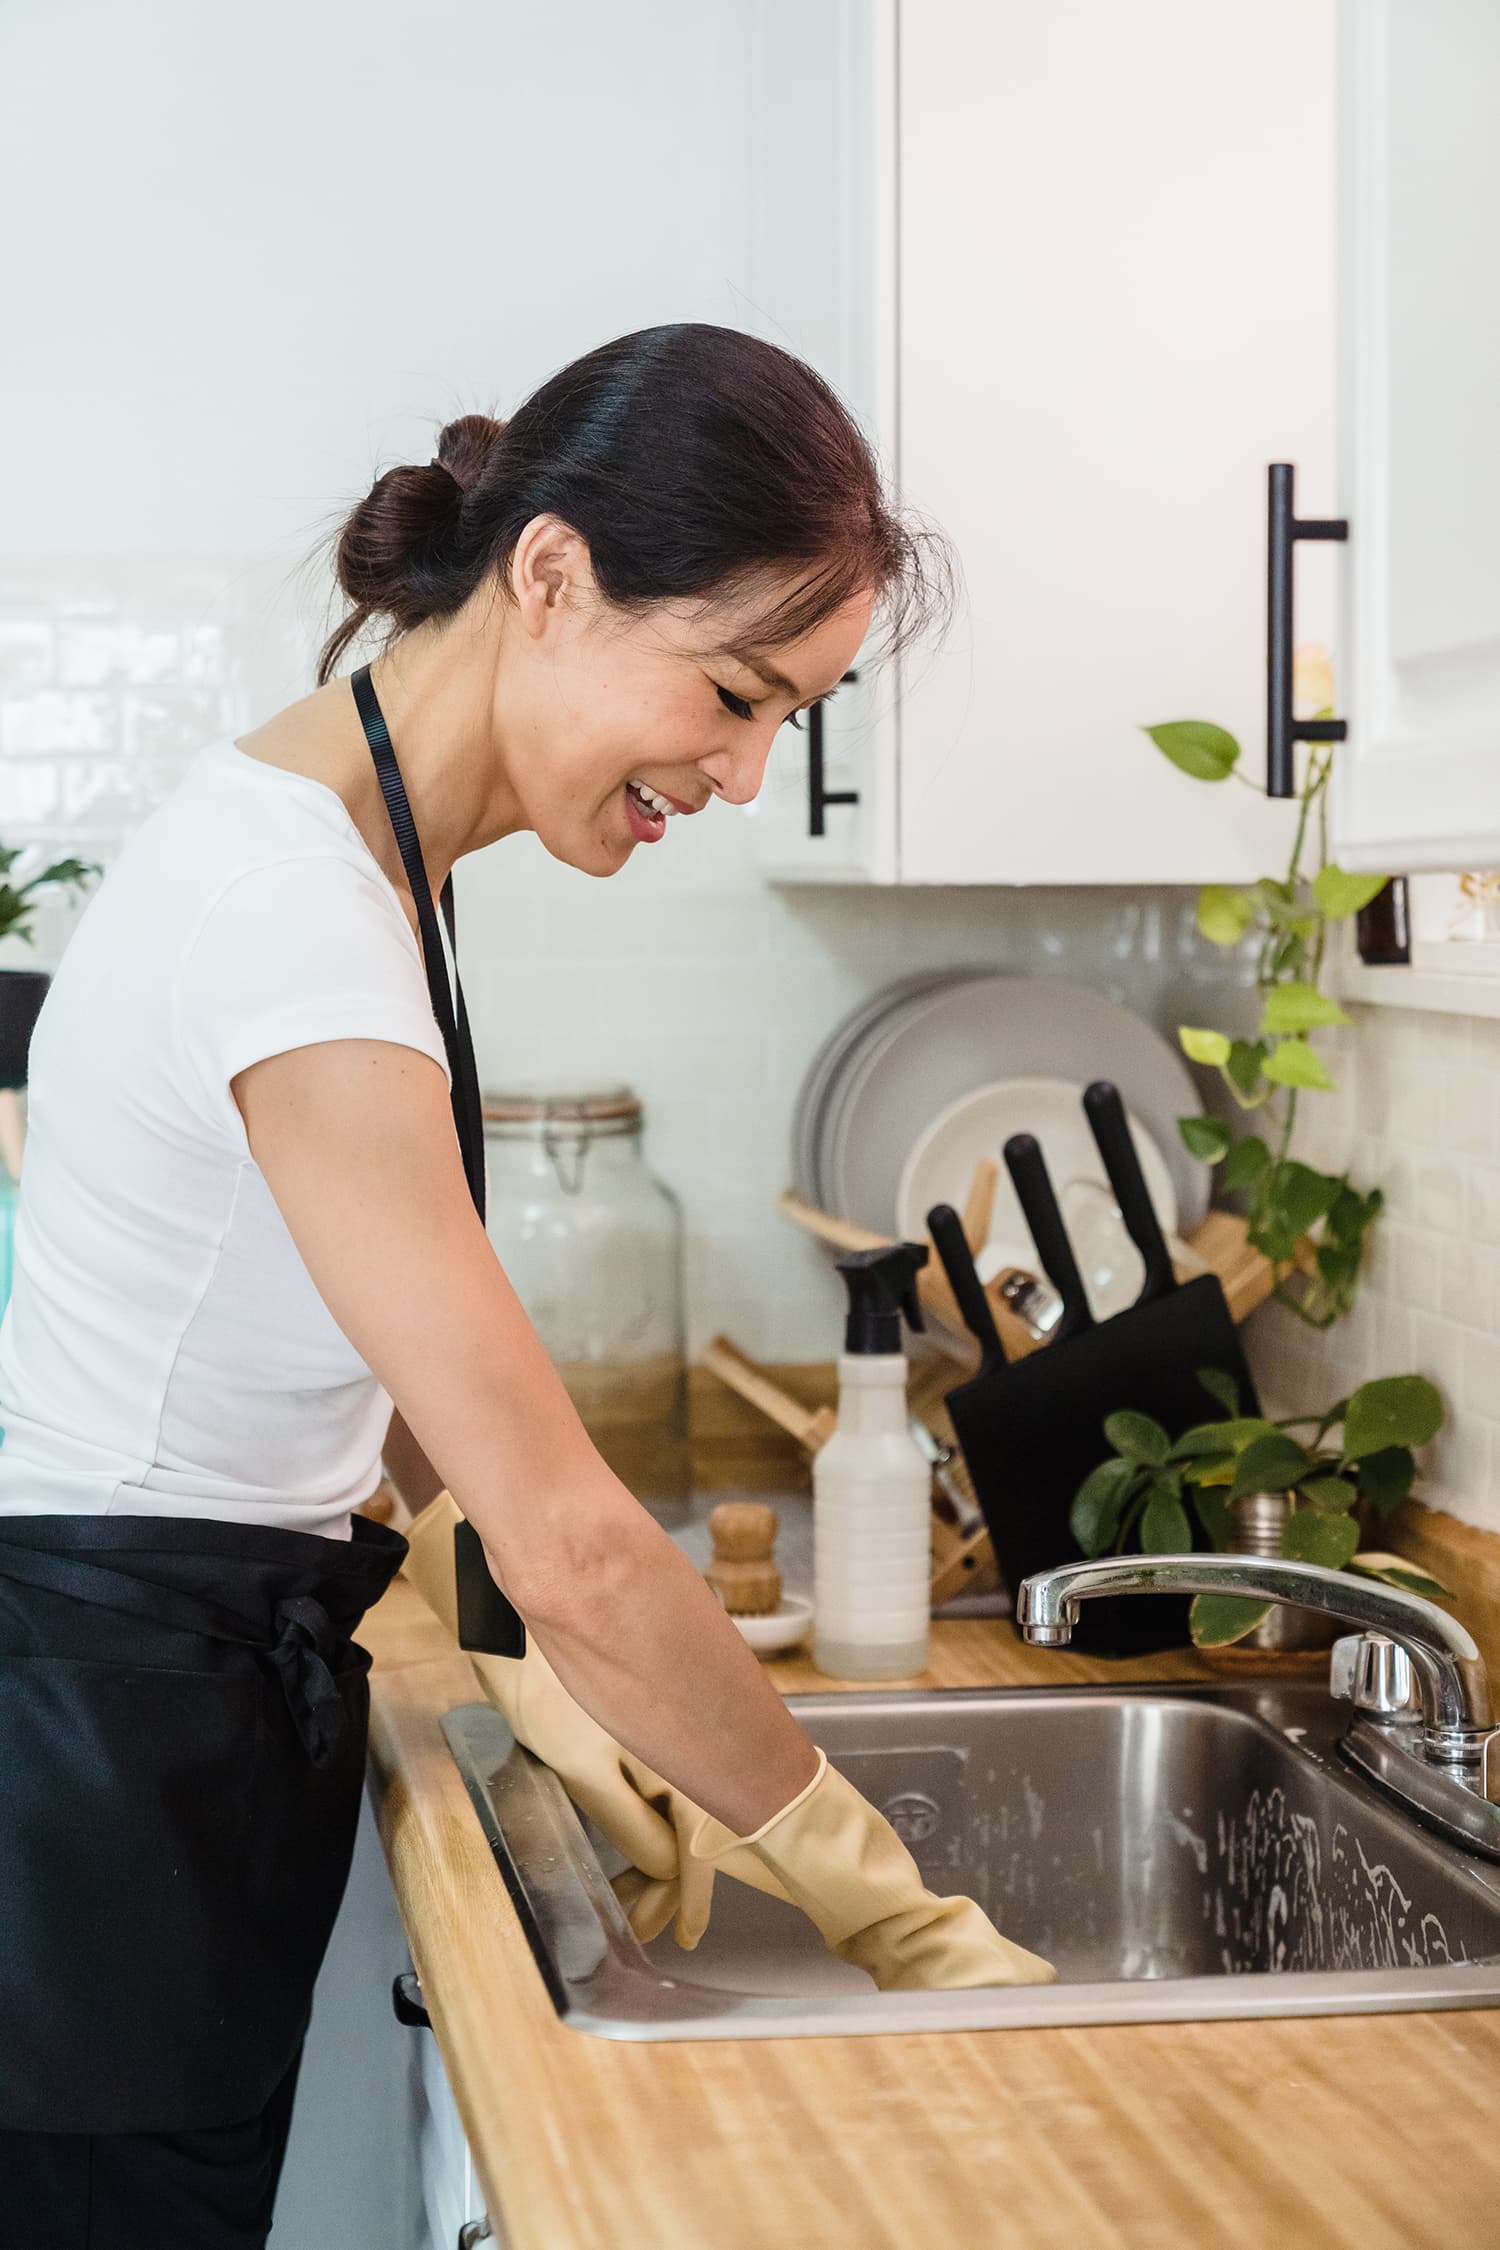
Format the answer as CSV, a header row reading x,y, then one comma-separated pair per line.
x,y
1137,1437
1095,1515
1245,1163
1395,1570
1298,1007
1308,1536
1302,1194
1294,1063
1197,747
1213,1514
1278,902
1394,1410
1221,1388
1270,1464
1209,1468
1221,1437
1224,914
1165,1529
1339,894
1291,1197
1207,1137
1202,1046
1385,1478
1331,1496
1217,1620
1245,1066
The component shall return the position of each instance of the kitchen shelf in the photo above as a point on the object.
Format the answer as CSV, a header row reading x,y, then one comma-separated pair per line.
x,y
1447,991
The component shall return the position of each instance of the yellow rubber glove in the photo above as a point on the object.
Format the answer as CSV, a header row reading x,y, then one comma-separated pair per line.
x,y
841,1861
643,1816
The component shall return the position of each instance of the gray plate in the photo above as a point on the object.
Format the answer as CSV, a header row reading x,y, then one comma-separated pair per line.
x,y
941,1045
838,1050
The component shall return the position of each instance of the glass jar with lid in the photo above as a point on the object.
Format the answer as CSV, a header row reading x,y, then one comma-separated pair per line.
x,y
591,1242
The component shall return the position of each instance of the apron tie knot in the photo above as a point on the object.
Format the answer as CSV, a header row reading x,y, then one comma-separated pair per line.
x,y
301,1655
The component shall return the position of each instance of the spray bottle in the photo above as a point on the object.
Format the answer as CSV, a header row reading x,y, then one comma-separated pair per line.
x,y
872,1487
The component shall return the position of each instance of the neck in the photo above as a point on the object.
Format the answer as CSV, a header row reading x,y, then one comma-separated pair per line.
x,y
439,704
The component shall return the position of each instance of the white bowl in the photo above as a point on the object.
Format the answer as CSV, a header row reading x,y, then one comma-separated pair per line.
x,y
775,1630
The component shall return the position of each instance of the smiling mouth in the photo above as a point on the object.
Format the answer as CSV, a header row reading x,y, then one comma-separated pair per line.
x,y
648,810
652,801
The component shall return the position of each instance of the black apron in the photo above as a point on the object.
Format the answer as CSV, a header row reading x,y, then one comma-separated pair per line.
x,y
183,1718
182,1750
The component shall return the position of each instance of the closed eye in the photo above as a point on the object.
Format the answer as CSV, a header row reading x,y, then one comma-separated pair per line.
x,y
744,710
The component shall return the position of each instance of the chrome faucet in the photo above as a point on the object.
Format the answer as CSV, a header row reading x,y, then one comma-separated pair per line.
x,y
1442,1758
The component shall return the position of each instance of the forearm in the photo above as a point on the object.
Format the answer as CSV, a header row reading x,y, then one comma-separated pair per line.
x,y
642,1642
355,1140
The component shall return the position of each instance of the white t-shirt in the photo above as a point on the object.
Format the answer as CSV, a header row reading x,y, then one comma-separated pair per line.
x,y
164,1350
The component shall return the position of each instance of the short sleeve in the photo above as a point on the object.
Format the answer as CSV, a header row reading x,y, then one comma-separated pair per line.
x,y
291,953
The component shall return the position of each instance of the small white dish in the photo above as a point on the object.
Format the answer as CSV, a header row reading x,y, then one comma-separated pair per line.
x,y
775,1630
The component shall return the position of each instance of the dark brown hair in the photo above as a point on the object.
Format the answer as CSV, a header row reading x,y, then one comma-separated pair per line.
x,y
693,460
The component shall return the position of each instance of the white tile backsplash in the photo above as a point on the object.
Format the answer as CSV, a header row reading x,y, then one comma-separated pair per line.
x,y
1415,1112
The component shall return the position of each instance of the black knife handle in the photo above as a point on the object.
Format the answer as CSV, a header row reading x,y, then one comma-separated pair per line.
x,y
952,1244
1112,1137
1033,1185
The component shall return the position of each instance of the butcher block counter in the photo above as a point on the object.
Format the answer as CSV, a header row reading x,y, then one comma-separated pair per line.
x,y
1365,2132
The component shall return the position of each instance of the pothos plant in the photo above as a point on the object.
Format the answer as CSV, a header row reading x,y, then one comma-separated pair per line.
x,y
17,902
1287,917
1150,1483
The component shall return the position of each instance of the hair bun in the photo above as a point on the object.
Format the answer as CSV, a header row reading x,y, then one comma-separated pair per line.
x,y
465,447
402,520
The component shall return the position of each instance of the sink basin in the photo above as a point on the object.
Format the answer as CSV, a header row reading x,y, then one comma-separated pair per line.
x,y
1178,1852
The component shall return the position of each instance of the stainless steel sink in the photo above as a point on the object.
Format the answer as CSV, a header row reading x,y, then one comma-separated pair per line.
x,y
1178,1852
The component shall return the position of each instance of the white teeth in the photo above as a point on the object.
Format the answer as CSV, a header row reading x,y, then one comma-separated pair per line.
x,y
654,798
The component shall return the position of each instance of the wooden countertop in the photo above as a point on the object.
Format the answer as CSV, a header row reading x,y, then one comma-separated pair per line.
x,y
1364,2133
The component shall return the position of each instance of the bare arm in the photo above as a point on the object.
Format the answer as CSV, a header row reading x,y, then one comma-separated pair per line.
x,y
407,1465
355,1139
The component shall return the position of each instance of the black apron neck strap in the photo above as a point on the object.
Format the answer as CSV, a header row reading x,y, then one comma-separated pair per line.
x,y
468,1115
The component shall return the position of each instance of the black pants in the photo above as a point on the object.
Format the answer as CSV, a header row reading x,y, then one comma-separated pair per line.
x,y
212,2189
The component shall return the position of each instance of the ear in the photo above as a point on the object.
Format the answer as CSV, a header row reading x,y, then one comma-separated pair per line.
x,y
549,570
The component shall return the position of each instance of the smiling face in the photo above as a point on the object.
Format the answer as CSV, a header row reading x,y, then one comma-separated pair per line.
x,y
608,719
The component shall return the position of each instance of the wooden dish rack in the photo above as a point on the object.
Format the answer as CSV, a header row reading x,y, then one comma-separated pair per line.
x,y
962,1558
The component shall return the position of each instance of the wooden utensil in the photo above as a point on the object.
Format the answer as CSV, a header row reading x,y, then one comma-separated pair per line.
x,y
1220,1245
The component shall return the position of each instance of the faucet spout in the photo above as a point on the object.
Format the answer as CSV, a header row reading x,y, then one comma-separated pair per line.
x,y
1446,1662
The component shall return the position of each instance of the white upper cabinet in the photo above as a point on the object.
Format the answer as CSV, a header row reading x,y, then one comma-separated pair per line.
x,y
1418,781
1102,295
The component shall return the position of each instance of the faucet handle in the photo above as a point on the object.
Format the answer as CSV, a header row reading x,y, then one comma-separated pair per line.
x,y
1374,1673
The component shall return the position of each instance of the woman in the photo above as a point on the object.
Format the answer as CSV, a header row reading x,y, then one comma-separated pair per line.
x,y
249,1231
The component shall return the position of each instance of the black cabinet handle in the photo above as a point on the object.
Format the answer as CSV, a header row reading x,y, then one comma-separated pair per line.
x,y
477,2231
406,1999
817,796
1282,730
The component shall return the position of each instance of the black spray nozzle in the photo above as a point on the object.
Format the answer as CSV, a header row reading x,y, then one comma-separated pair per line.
x,y
882,1285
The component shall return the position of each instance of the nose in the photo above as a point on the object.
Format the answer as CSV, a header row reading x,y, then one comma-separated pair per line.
x,y
737,775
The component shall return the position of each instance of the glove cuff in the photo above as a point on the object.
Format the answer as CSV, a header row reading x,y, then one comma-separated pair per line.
x,y
711,1839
